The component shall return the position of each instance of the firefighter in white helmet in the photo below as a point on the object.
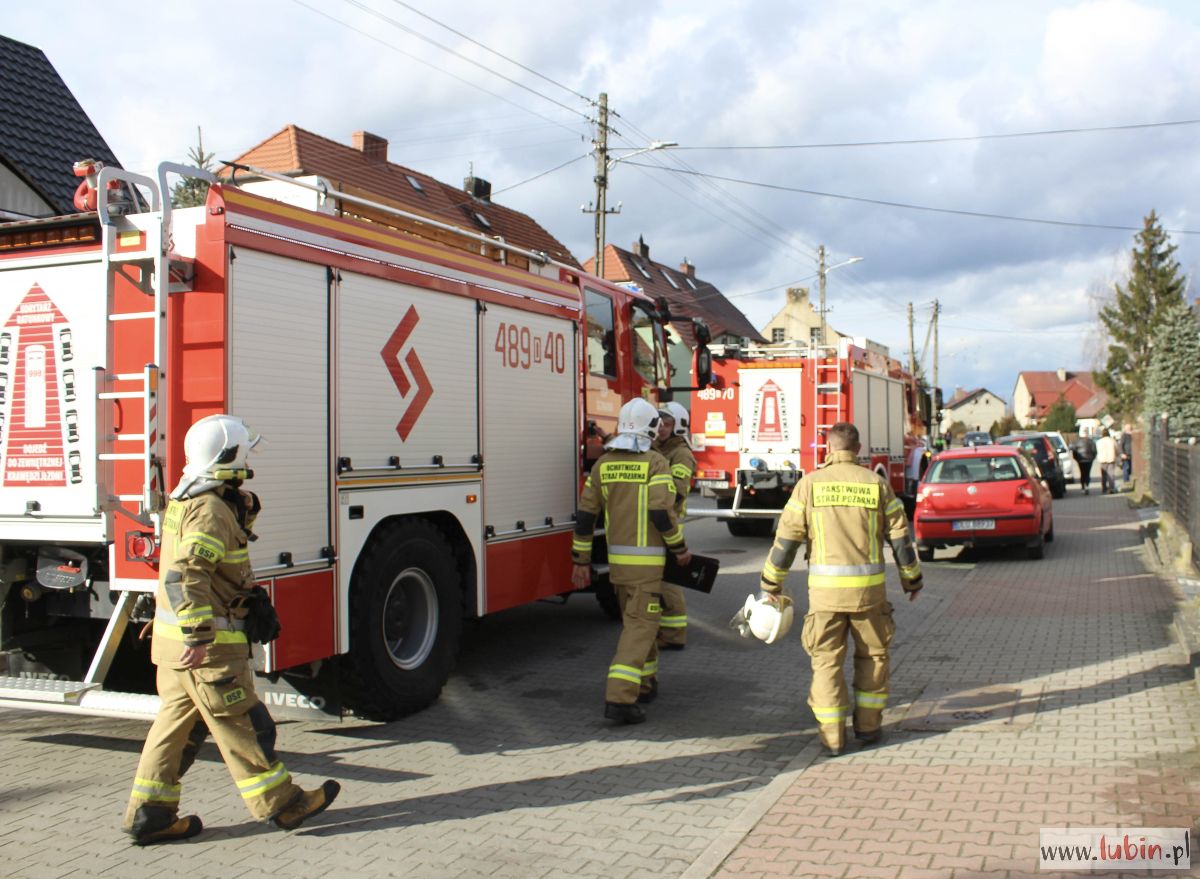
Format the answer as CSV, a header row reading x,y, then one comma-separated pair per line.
x,y
842,514
631,486
200,646
672,443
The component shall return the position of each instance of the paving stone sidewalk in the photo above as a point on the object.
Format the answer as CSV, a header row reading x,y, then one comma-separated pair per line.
x,y
1041,694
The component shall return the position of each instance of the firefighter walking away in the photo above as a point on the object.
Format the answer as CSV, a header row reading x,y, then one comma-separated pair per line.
x,y
202,652
842,514
631,486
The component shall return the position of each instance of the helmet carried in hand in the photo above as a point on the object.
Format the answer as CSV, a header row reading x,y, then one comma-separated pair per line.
x,y
766,619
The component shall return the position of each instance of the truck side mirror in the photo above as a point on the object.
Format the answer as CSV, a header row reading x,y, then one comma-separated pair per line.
x,y
704,373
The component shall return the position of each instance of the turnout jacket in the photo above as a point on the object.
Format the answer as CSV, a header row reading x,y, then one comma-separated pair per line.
x,y
635,492
204,576
683,465
842,514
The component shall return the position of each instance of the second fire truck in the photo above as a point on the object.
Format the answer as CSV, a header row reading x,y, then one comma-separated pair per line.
x,y
761,425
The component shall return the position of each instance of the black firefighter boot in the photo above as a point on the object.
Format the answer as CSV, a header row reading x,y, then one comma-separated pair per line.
x,y
623,713
155,824
307,804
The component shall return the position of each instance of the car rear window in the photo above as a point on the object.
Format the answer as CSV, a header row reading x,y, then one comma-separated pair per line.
x,y
999,468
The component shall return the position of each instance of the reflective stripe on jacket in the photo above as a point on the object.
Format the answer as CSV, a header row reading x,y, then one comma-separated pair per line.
x,y
683,466
204,570
842,514
628,487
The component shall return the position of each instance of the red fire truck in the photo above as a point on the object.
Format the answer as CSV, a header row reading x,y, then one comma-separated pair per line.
x,y
426,407
761,424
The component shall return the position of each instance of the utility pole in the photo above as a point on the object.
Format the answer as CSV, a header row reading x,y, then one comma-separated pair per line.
x,y
601,144
912,350
936,311
821,275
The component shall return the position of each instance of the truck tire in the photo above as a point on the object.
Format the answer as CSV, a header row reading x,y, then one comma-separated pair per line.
x,y
606,597
751,527
406,610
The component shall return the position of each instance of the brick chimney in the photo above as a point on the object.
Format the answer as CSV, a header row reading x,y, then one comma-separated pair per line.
x,y
687,268
1061,373
370,145
641,248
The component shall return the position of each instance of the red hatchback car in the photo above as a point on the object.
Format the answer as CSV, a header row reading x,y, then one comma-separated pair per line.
x,y
983,496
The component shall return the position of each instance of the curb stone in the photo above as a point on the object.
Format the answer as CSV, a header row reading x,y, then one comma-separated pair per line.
x,y
1185,623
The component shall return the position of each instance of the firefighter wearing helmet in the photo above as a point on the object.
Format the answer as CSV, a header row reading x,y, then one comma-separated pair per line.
x,y
631,486
842,514
672,444
202,650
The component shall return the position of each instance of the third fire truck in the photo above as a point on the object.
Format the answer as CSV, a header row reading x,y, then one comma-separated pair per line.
x,y
427,396
762,423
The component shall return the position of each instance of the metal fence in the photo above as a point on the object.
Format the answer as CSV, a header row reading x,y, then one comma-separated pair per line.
x,y
1175,479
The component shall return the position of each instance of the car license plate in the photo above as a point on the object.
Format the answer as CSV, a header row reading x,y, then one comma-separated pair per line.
x,y
712,483
974,525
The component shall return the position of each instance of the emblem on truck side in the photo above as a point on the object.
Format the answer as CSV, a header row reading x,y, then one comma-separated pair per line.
x,y
395,365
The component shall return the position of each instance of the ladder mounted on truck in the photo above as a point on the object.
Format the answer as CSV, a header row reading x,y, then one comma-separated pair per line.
x,y
829,402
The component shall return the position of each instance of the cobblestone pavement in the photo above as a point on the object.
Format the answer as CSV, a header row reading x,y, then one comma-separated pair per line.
x,y
1075,708
514,773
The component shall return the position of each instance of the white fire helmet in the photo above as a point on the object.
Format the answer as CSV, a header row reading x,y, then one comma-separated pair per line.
x,y
682,420
216,448
639,419
766,620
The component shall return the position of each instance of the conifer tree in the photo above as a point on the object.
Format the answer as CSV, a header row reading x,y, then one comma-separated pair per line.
x,y
1173,380
1060,417
191,192
1155,285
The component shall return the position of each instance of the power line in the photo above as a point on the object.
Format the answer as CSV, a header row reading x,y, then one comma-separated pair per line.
x,y
420,36
432,66
915,207
512,186
458,33
958,139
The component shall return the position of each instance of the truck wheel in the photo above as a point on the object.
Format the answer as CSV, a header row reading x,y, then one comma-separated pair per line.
x,y
751,527
606,597
406,610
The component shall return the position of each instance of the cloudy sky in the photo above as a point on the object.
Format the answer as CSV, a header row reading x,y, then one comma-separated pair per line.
x,y
830,80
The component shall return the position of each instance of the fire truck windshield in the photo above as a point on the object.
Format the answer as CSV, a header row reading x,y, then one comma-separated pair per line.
x,y
649,345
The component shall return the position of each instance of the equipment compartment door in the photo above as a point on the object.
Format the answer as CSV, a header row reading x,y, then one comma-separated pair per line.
x,y
279,383
407,374
530,403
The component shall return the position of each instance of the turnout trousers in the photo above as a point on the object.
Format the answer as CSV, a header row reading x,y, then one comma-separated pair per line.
x,y
219,699
824,638
634,666
672,626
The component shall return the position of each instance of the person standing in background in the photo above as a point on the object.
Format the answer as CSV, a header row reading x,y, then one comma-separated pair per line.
x,y
1106,457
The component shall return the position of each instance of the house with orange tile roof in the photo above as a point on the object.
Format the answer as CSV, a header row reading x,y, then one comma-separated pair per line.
x,y
362,169
1037,390
687,295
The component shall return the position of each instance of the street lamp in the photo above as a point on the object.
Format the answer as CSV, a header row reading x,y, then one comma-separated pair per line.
x,y
604,164
822,271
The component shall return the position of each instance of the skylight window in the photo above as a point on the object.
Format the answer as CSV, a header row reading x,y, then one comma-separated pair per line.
x,y
691,283
481,220
415,183
641,268
670,280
